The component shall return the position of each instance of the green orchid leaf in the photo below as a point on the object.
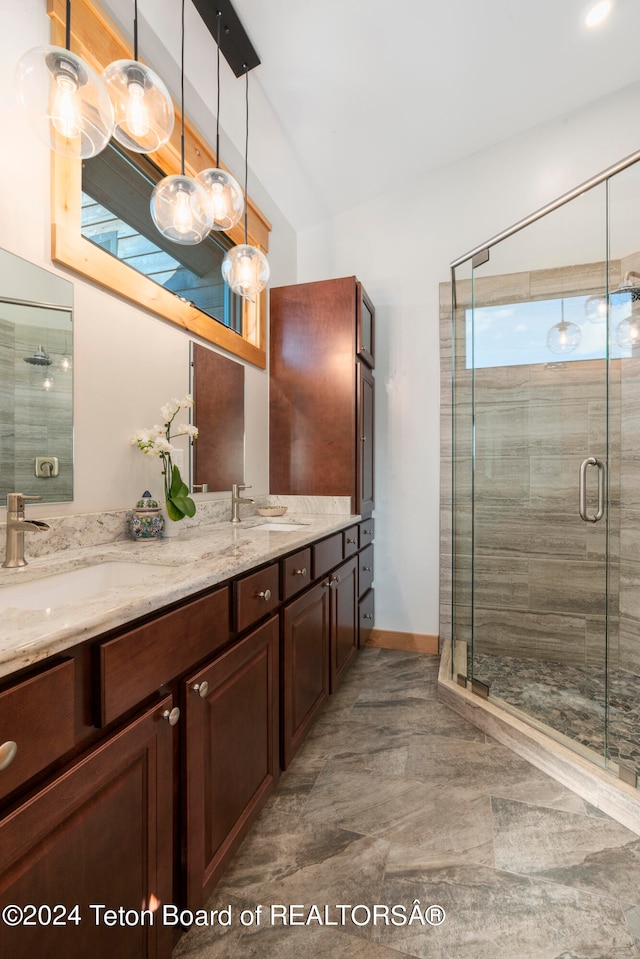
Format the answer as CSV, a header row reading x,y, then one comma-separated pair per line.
x,y
181,503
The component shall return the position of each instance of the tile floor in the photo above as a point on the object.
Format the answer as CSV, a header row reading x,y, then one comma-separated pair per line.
x,y
395,798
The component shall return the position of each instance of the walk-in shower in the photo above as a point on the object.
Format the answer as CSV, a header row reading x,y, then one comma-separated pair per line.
x,y
541,470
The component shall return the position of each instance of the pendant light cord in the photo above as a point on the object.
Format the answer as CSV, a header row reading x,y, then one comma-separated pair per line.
x,y
218,95
68,27
182,94
246,152
135,30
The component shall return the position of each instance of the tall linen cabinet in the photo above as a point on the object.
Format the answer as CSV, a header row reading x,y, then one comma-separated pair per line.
x,y
322,391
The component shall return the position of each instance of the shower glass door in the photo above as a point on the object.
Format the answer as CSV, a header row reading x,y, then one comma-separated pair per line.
x,y
623,646
532,331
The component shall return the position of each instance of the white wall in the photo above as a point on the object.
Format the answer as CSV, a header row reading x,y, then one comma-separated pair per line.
x,y
400,246
127,362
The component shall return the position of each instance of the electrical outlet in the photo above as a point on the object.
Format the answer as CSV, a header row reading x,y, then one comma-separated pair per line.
x,y
47,467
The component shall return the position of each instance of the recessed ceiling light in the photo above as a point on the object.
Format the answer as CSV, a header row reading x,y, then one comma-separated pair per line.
x,y
599,12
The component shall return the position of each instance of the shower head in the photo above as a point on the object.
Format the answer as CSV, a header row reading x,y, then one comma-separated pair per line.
x,y
630,284
39,358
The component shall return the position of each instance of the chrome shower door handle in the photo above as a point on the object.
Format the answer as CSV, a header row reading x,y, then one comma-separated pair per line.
x,y
582,506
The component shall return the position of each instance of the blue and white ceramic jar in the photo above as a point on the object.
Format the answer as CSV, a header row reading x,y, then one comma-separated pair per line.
x,y
146,522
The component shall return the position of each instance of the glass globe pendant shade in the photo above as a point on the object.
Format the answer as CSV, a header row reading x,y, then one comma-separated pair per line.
x,y
245,269
564,337
628,334
65,100
595,308
142,107
180,209
225,197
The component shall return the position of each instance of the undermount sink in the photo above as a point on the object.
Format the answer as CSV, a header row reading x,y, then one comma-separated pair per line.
x,y
280,527
60,589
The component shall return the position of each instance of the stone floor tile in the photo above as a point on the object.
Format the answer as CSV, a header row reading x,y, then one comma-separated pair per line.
x,y
596,855
492,914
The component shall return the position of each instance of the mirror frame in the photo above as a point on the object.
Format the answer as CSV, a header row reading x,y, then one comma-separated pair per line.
x,y
98,41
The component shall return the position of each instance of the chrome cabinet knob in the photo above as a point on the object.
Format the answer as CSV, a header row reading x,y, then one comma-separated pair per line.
x,y
301,572
366,569
8,752
172,716
201,689
368,532
367,616
334,581
351,541
265,594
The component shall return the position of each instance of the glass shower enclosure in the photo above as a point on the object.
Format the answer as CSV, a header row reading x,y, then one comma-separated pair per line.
x,y
544,404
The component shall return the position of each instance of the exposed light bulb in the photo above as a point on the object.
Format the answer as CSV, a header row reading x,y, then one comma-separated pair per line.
x,y
180,209
246,270
598,13
183,218
66,113
226,202
137,113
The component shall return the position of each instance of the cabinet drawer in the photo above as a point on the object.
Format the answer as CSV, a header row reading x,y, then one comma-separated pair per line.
x,y
326,554
296,572
365,571
36,724
255,596
132,666
350,537
366,531
366,616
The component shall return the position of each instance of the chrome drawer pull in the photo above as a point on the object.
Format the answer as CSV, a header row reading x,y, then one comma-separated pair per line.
x,y
366,569
265,594
301,572
367,616
368,532
201,689
352,542
172,716
8,752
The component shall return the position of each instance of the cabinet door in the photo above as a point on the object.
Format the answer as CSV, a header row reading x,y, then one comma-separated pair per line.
x,y
231,753
100,833
305,662
344,618
366,393
366,315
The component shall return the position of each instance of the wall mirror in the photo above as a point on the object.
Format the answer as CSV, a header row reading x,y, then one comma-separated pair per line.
x,y
36,381
217,386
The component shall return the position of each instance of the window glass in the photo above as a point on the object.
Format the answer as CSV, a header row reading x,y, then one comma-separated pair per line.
x,y
115,215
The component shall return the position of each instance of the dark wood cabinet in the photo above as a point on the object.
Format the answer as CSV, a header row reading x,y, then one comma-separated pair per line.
x,y
305,664
98,833
132,766
321,337
344,619
231,753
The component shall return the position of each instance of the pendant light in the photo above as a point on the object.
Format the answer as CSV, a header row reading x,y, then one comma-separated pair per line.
x,y
245,268
180,205
142,105
65,100
563,337
225,193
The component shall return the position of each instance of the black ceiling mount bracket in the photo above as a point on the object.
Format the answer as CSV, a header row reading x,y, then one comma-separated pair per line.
x,y
235,45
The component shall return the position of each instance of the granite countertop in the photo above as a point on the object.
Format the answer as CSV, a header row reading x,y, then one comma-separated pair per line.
x,y
198,558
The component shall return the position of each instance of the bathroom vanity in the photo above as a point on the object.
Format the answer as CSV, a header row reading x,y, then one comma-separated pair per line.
x,y
142,731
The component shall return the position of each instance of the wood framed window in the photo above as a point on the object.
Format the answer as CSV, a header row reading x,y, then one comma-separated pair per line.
x,y
98,41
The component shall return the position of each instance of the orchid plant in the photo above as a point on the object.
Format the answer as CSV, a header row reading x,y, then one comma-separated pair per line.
x,y
157,442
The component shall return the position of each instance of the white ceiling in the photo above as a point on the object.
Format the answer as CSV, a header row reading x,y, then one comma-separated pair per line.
x,y
354,96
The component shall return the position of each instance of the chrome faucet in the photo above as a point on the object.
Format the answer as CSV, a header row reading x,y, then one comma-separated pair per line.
x,y
17,526
236,501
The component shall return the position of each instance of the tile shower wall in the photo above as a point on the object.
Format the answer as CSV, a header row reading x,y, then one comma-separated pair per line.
x,y
42,416
535,560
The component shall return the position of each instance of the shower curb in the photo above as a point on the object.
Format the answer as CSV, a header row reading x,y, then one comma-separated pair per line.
x,y
596,786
